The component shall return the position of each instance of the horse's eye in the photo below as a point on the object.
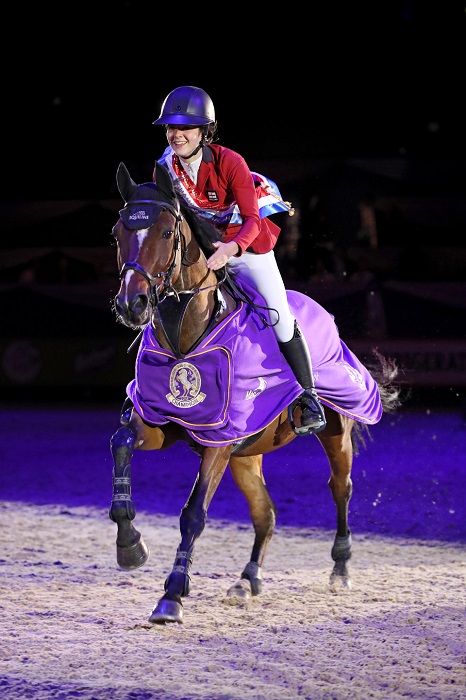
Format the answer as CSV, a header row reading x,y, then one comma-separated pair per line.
x,y
168,234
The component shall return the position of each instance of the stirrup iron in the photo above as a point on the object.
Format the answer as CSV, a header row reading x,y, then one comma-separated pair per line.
x,y
312,414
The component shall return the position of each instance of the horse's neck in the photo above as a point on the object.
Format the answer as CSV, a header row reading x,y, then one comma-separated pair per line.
x,y
179,325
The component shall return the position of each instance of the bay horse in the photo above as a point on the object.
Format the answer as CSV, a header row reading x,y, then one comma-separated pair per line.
x,y
181,309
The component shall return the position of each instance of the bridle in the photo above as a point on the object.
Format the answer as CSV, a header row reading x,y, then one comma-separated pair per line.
x,y
161,286
165,276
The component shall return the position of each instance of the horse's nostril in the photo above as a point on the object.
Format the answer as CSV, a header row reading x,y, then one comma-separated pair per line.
x,y
140,303
132,308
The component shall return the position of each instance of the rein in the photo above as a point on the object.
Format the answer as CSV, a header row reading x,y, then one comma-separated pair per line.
x,y
168,275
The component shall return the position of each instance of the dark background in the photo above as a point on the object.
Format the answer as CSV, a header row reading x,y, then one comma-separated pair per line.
x,y
337,102
83,83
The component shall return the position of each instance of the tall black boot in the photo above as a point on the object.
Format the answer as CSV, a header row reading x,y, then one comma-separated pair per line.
x,y
296,353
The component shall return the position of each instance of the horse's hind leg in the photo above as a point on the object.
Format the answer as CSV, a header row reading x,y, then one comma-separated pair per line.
x,y
248,476
192,522
336,441
132,551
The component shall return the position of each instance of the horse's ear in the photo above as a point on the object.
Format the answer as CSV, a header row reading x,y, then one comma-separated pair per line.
x,y
125,183
163,181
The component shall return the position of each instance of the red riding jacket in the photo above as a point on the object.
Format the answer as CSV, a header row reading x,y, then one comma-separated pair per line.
x,y
224,178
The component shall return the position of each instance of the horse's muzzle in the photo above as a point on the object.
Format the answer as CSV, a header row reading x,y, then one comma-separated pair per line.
x,y
135,312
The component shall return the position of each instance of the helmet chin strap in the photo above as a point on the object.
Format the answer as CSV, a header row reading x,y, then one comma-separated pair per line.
x,y
196,150
201,143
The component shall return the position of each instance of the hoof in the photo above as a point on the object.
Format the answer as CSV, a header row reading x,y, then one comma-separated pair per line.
x,y
241,589
167,611
132,557
339,584
340,578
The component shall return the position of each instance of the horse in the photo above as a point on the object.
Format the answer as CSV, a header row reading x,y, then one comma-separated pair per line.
x,y
180,308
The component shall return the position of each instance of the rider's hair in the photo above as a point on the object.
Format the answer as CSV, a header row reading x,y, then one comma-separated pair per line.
x,y
210,132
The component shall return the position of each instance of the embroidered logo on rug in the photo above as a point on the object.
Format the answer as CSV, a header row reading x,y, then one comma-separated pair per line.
x,y
212,196
185,386
252,393
354,374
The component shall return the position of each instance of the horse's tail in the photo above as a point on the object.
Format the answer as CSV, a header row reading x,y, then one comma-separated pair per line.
x,y
385,372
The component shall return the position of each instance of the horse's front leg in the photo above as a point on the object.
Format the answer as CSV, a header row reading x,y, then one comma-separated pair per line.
x,y
132,552
192,522
336,441
248,476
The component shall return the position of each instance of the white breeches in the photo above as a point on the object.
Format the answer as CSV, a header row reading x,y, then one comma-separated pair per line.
x,y
262,272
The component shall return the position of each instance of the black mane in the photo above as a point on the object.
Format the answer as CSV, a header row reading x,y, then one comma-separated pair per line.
x,y
204,231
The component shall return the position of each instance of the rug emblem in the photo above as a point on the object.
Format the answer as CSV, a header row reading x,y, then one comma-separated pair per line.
x,y
252,393
185,386
354,374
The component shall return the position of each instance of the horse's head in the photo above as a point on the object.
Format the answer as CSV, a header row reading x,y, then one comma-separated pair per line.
x,y
151,243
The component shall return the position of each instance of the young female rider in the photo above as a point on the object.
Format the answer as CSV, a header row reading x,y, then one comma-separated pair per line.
x,y
217,182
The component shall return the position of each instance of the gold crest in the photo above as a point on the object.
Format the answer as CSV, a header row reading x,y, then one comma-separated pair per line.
x,y
185,386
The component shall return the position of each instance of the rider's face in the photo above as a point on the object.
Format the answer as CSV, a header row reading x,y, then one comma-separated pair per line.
x,y
184,139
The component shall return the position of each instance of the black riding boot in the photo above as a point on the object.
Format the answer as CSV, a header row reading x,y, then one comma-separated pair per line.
x,y
296,353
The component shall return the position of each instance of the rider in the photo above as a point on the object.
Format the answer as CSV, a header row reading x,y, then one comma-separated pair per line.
x,y
217,182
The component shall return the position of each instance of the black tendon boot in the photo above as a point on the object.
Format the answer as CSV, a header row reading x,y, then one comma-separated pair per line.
x,y
296,353
125,413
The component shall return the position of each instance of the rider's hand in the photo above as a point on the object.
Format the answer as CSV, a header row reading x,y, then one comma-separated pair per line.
x,y
222,254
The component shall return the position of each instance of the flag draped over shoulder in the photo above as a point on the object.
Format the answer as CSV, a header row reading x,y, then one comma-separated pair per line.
x,y
268,195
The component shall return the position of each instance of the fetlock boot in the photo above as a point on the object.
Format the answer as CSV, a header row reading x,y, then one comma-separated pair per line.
x,y
125,413
296,353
